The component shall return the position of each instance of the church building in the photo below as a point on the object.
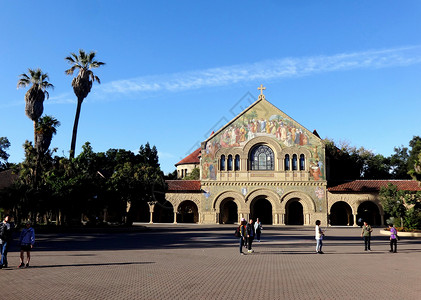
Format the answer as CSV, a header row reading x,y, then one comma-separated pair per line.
x,y
264,164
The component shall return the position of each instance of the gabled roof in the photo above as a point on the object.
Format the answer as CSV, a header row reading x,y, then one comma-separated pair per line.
x,y
7,178
192,158
253,105
183,185
375,185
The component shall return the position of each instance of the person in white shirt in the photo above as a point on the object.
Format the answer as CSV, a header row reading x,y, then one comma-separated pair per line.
x,y
319,237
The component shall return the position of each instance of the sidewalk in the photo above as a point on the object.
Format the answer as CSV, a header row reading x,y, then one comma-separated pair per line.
x,y
203,262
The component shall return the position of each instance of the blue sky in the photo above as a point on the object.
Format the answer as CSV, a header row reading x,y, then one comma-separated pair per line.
x,y
176,70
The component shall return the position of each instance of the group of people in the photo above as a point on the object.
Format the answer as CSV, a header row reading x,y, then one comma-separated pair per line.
x,y
365,234
26,242
247,232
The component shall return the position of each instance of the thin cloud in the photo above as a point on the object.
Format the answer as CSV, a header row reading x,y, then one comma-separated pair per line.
x,y
263,70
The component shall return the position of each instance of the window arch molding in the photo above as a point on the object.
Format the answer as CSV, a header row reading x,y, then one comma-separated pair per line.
x,y
262,140
261,158
298,152
228,152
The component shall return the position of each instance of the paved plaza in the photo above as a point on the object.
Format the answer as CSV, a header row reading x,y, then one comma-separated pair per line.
x,y
203,262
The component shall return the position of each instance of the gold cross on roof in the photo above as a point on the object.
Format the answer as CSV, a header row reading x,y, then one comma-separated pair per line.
x,y
261,88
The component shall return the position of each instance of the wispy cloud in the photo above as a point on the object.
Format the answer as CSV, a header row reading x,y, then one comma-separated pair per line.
x,y
263,70
64,98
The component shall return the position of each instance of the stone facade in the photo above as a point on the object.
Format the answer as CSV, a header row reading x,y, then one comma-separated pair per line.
x,y
261,164
264,164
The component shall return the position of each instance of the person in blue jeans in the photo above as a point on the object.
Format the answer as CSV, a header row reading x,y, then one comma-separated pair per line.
x,y
5,240
319,237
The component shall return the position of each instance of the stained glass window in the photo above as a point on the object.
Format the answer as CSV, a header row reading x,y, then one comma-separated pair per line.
x,y
262,158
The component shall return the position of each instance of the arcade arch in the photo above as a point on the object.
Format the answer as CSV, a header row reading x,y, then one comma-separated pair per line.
x,y
261,208
369,211
341,214
187,212
228,211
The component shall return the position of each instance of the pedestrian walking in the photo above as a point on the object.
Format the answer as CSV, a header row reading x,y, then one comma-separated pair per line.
x,y
319,234
250,236
5,239
26,242
393,238
242,232
366,235
258,229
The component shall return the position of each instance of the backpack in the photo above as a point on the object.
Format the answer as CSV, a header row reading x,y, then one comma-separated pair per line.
x,y
237,232
2,231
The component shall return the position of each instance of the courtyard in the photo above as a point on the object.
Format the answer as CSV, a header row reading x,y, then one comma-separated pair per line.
x,y
203,262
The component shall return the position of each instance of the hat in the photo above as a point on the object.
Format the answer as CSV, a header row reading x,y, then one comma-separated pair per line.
x,y
242,219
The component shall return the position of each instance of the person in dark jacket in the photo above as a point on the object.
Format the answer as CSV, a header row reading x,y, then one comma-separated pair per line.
x,y
250,235
243,234
26,241
5,239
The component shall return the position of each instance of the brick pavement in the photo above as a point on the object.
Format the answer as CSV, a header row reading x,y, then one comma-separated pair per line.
x,y
203,262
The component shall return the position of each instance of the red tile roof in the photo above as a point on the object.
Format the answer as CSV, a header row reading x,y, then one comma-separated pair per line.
x,y
375,185
193,158
183,185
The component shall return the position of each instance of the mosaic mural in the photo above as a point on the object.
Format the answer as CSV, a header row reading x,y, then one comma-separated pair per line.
x,y
263,119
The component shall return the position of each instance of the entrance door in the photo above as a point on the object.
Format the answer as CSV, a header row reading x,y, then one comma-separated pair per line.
x,y
229,212
294,213
261,208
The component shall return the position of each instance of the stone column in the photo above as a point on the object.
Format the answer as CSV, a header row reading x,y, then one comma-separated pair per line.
x,y
151,210
382,220
175,216
355,220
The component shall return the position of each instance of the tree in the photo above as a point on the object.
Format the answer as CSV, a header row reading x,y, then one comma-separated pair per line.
x,y
35,96
82,83
46,128
414,160
194,175
399,163
4,145
392,200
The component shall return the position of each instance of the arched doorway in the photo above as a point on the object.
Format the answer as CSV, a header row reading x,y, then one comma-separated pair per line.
x,y
294,212
369,212
229,212
261,208
163,213
187,212
341,214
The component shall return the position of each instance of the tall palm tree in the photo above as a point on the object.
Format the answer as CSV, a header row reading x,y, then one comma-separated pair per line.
x,y
46,128
82,83
35,96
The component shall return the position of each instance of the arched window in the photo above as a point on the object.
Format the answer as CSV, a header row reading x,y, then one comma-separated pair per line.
x,y
222,163
229,163
302,162
262,158
294,162
237,163
287,162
